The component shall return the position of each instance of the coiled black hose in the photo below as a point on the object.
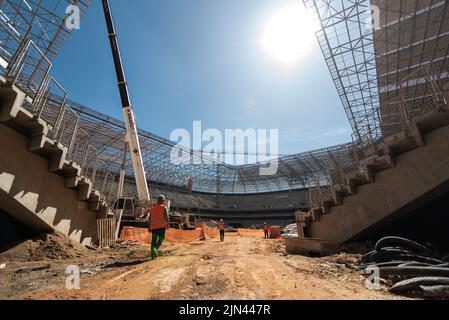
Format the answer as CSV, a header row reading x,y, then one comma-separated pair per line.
x,y
416,267
401,242
414,284
411,272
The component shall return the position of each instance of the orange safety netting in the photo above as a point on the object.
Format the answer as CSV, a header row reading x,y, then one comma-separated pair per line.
x,y
249,233
184,236
143,236
274,232
210,232
139,235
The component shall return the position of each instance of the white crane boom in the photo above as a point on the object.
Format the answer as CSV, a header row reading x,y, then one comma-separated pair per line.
x,y
132,136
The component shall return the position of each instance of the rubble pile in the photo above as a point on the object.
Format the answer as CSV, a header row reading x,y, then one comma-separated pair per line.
x,y
51,246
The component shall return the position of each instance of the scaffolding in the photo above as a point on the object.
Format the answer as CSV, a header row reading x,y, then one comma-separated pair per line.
x,y
43,21
372,47
344,32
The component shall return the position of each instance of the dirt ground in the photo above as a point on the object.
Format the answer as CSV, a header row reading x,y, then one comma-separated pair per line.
x,y
240,268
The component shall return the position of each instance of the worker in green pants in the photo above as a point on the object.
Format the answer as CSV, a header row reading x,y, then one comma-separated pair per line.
x,y
158,224
158,237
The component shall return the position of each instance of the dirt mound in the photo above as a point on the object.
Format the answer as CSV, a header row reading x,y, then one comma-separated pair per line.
x,y
45,247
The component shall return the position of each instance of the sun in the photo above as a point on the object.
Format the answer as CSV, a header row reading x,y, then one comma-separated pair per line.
x,y
288,34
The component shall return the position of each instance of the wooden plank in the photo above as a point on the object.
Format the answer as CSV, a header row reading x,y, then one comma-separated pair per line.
x,y
106,232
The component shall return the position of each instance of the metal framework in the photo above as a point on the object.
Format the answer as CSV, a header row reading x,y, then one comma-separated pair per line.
x,y
344,32
294,172
385,77
412,58
42,21
374,49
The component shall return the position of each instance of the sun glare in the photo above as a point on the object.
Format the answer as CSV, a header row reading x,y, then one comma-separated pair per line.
x,y
288,35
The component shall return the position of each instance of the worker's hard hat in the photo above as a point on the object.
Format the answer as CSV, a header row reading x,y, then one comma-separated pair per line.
x,y
161,199
221,220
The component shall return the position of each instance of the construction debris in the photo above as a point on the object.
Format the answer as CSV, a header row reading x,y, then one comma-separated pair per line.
x,y
31,269
45,247
290,231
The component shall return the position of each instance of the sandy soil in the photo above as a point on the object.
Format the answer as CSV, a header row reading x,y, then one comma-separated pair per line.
x,y
239,268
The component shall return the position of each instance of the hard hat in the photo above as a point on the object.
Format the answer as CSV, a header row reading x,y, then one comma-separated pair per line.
x,y
161,199
221,220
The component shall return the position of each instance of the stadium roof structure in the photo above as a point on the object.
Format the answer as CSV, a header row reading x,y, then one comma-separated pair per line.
x,y
399,61
210,175
383,55
43,21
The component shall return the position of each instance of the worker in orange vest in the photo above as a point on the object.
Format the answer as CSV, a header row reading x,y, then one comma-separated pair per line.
x,y
221,227
265,230
158,224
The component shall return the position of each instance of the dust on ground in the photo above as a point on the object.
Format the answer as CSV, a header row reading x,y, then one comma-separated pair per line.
x,y
239,268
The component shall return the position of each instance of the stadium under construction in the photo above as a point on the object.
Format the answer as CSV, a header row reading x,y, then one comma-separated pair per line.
x,y
63,165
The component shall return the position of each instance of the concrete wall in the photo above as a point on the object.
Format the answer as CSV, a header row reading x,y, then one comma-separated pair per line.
x,y
37,197
420,175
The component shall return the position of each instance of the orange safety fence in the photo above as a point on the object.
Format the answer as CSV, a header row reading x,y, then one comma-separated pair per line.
x,y
143,236
139,235
249,233
210,232
184,236
274,232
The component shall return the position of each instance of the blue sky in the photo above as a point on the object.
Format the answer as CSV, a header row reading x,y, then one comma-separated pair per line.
x,y
188,60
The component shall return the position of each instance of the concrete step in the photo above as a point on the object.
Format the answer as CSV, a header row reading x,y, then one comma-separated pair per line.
x,y
45,201
18,118
419,175
432,121
70,169
73,182
94,201
359,177
382,158
404,142
339,192
84,187
310,246
378,163
51,150
104,211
